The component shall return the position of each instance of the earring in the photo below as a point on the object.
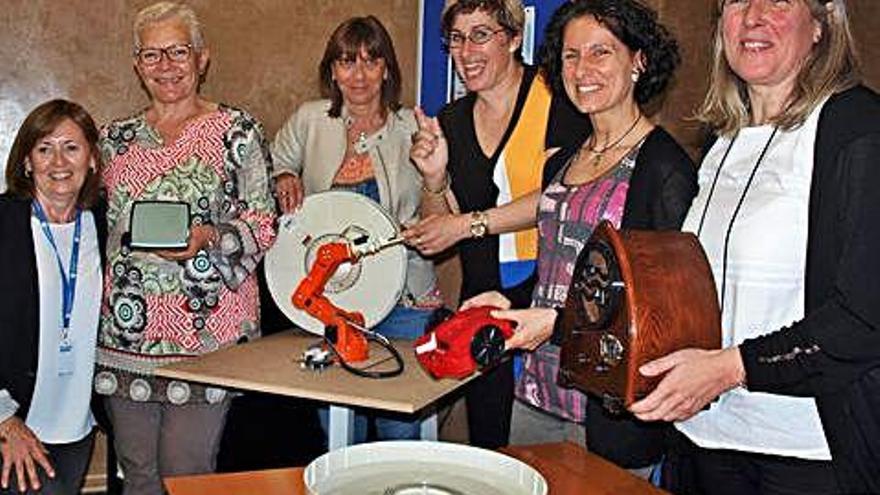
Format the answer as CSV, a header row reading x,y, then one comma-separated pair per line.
x,y
27,171
635,75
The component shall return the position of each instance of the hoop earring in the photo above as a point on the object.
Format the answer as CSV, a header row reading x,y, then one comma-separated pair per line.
x,y
635,75
27,172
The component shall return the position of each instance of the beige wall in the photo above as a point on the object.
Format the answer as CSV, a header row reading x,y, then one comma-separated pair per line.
x,y
265,53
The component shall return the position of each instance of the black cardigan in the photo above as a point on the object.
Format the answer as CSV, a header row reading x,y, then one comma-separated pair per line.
x,y
833,353
20,304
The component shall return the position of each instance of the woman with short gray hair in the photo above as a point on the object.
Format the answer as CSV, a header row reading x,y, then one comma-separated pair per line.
x,y
165,306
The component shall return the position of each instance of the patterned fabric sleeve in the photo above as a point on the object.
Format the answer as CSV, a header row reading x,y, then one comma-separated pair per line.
x,y
245,222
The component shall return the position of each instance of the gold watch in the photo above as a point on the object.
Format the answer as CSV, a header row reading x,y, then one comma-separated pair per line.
x,y
479,224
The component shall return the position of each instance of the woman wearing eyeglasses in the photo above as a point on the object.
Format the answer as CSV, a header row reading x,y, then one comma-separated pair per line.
x,y
358,139
166,306
497,136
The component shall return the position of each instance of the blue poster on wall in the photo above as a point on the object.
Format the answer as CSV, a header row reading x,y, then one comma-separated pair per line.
x,y
437,81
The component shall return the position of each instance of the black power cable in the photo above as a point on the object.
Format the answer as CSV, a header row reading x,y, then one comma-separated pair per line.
x,y
371,337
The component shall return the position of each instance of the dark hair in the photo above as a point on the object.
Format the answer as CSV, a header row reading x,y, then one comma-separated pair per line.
x,y
508,14
634,24
40,123
345,43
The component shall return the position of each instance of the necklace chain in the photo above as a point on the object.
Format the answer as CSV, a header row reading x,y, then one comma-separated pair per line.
x,y
600,153
738,204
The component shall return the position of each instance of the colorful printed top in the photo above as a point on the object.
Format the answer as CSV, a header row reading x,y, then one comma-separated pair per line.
x,y
567,216
158,311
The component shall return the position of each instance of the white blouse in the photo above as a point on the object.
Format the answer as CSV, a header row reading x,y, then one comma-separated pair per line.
x,y
59,411
764,287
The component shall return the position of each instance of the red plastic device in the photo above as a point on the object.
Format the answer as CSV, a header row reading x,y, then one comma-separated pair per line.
x,y
468,340
309,296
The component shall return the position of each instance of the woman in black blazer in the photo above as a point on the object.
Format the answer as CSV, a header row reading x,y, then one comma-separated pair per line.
x,y
50,278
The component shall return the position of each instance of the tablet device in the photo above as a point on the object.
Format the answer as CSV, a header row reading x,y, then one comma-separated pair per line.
x,y
159,225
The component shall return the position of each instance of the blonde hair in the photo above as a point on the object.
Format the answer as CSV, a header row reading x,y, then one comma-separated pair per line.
x,y
831,67
163,11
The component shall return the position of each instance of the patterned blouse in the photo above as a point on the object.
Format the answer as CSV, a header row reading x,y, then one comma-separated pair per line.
x,y
567,216
158,311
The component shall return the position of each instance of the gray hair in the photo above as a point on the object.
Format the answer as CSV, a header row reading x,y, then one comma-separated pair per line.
x,y
163,11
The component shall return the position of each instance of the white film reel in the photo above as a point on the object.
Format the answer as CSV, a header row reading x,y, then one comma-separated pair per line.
x,y
371,286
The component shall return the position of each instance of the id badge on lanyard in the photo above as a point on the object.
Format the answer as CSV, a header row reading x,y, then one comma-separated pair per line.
x,y
66,362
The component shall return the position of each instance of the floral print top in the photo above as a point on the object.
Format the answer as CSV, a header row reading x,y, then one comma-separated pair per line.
x,y
158,311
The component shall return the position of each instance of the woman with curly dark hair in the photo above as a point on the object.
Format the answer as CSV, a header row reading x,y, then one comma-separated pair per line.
x,y
610,57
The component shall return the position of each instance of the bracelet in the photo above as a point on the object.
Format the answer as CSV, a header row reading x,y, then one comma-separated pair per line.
x,y
438,192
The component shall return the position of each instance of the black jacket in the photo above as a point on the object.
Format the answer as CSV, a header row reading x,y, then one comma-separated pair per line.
x,y
472,172
833,353
20,305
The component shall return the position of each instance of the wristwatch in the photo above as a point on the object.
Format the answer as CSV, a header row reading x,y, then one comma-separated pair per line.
x,y
479,224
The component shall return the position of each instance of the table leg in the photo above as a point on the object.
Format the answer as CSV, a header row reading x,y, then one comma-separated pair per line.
x,y
341,432
428,427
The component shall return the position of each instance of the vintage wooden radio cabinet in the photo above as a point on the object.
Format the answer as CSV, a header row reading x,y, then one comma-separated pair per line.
x,y
635,296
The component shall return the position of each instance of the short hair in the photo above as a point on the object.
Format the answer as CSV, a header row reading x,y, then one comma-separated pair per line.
x,y
346,43
41,122
163,11
631,22
832,66
509,14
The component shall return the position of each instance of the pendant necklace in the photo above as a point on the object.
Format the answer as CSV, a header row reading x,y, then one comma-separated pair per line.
x,y
600,153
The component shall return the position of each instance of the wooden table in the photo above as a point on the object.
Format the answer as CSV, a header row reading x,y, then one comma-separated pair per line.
x,y
568,468
271,365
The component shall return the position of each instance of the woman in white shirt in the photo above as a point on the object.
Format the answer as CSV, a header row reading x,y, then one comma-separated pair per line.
x,y
785,212
50,278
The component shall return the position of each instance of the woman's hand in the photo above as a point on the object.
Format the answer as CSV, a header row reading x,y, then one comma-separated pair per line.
x,y
289,191
22,451
694,377
429,151
490,298
533,326
436,233
200,237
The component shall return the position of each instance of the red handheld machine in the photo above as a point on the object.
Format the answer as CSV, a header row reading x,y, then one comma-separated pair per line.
x,y
468,340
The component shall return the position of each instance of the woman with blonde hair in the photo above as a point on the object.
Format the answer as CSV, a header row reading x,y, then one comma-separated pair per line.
x,y
785,213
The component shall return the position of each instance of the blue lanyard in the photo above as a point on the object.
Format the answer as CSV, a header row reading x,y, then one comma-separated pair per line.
x,y
68,279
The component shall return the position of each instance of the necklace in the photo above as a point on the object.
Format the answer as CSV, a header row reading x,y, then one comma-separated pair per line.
x,y
360,143
361,133
739,204
600,153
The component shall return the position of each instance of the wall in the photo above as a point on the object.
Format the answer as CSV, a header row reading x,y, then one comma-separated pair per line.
x,y
265,53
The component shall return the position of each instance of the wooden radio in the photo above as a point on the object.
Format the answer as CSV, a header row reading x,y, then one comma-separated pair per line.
x,y
635,296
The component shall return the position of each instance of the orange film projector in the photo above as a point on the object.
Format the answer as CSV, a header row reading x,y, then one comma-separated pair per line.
x,y
635,296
